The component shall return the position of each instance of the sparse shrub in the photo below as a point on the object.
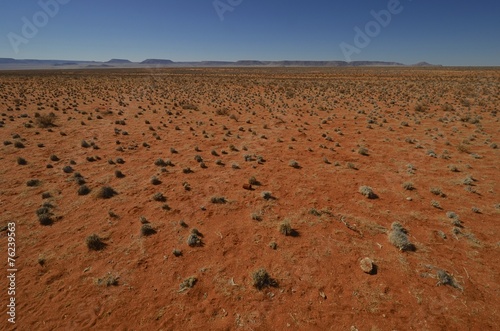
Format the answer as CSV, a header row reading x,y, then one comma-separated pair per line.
x,y
437,191
108,280
18,144
451,214
367,192
266,195
469,180
476,210
445,278
446,155
85,144
470,189
94,242
193,240
21,161
351,165
119,174
398,226
177,252
112,214
187,283
33,182
159,197
187,170
67,169
408,186
160,163
363,151
218,200
83,190
431,153
45,215
54,158
410,168
261,279
420,107
285,228
447,107
462,148
257,216
196,232
315,212
435,204
453,168
147,230
456,222
253,181
106,192
155,180
46,120
398,237
273,245
294,164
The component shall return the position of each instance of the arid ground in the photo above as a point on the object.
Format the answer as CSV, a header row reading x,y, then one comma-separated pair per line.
x,y
133,210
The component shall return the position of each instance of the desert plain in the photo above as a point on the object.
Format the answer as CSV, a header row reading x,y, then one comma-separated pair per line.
x,y
251,198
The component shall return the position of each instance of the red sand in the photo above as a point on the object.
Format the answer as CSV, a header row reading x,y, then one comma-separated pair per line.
x,y
280,115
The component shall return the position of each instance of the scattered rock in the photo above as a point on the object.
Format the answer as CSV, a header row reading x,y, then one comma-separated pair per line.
x,y
367,265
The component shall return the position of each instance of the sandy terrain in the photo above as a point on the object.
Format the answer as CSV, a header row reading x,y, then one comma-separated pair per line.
x,y
177,147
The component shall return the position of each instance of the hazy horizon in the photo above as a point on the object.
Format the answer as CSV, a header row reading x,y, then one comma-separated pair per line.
x,y
450,33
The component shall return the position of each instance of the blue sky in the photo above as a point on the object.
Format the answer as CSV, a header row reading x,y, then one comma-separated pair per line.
x,y
448,32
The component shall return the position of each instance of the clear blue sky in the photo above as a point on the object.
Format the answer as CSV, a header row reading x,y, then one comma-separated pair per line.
x,y
448,32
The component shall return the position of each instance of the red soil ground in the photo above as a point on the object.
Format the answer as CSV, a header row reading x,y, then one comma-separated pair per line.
x,y
317,117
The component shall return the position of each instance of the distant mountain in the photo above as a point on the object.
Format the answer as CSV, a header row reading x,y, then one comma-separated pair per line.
x,y
157,61
118,61
425,64
10,63
7,60
99,66
374,63
249,63
65,64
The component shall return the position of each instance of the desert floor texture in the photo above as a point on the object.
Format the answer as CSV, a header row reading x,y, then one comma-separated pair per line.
x,y
250,198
